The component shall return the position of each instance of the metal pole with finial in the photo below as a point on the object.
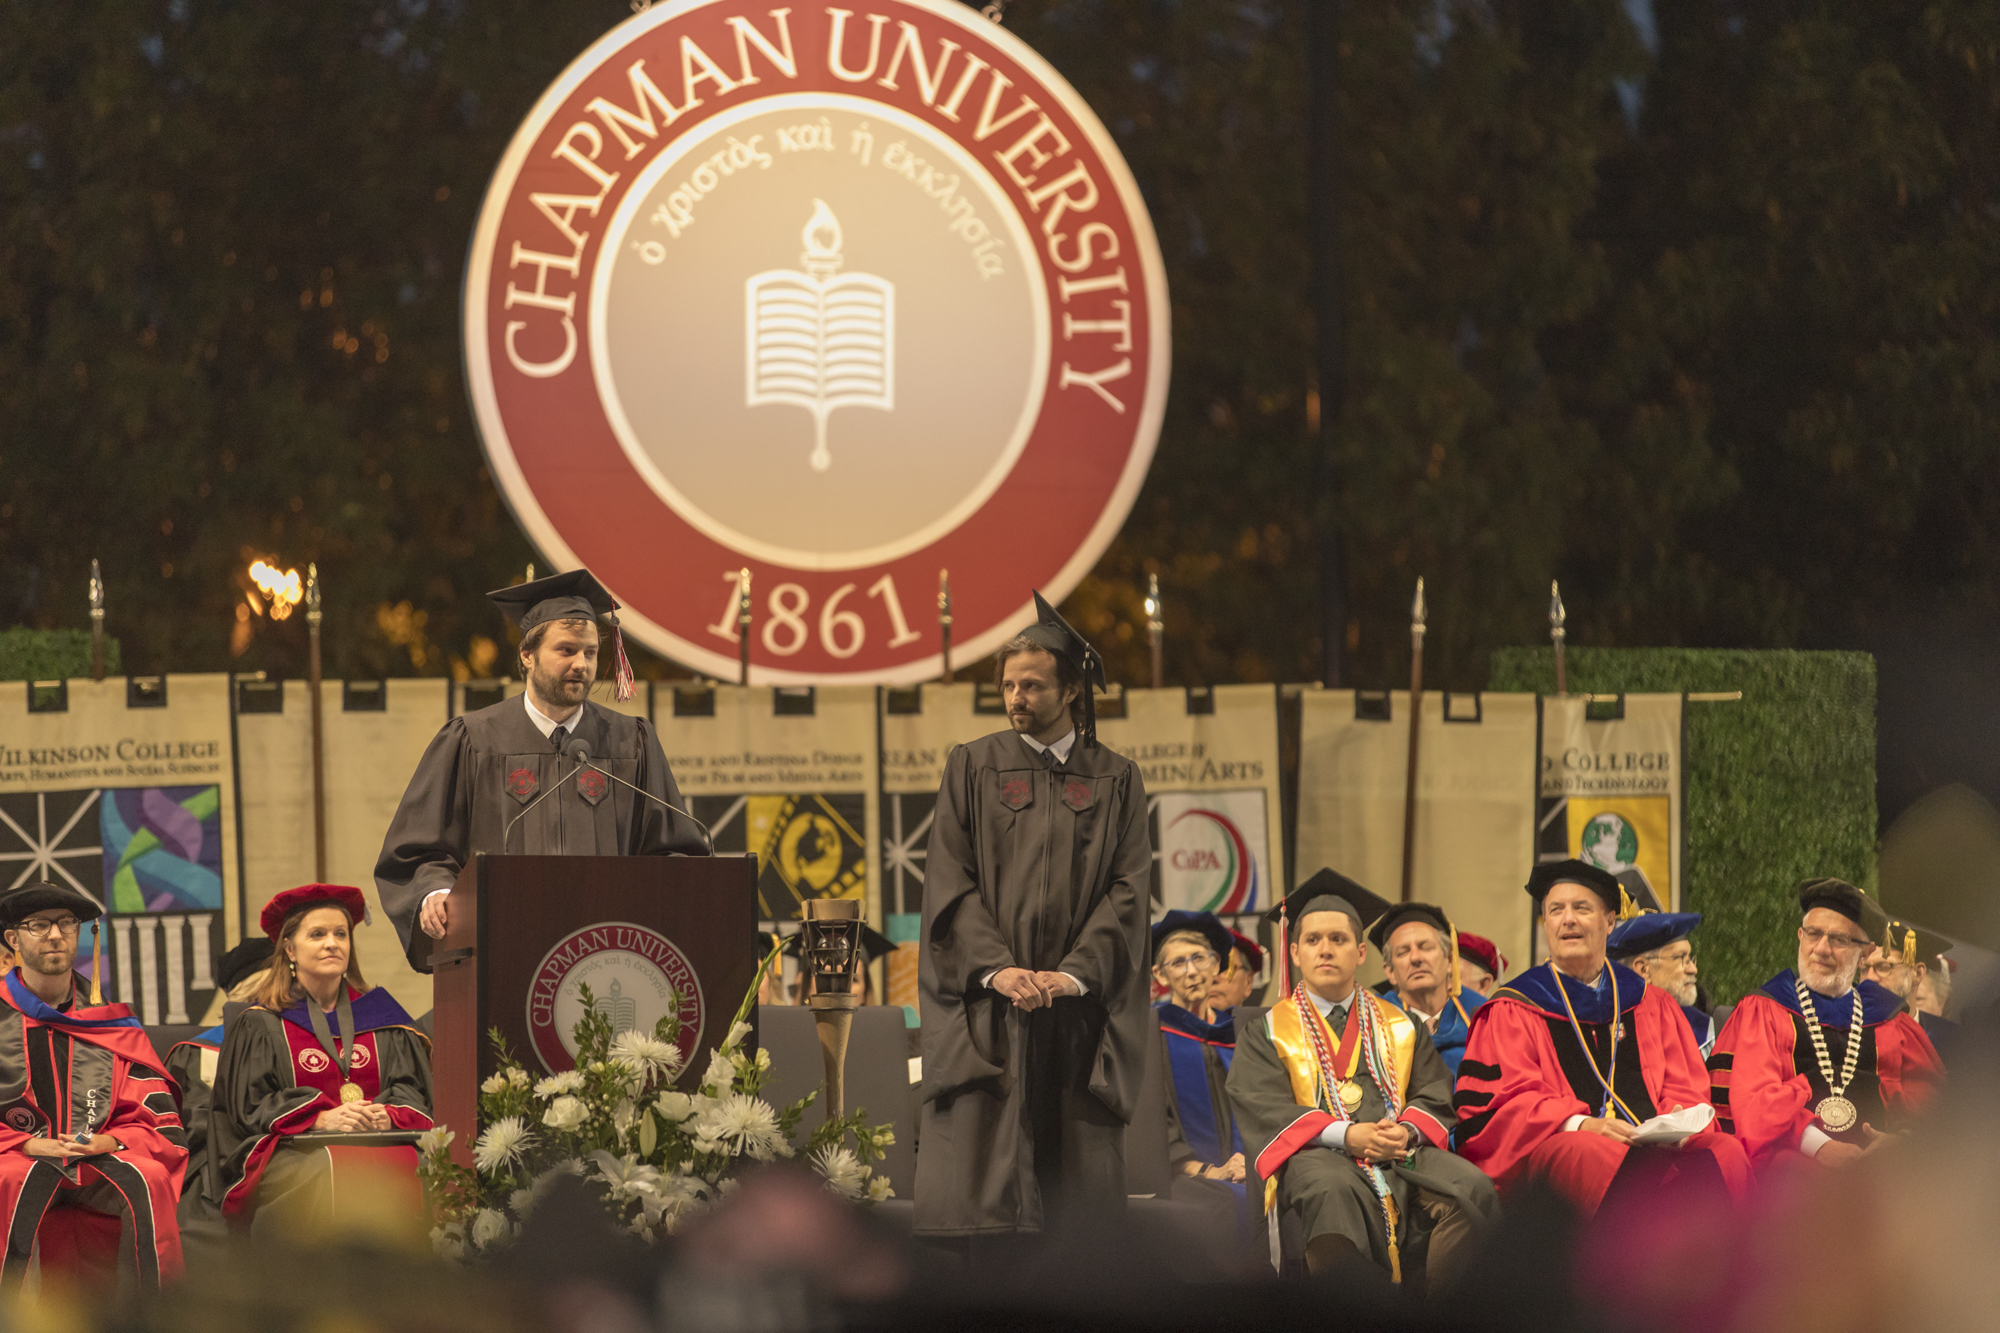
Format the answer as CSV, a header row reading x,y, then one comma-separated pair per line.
x,y
1417,617
1156,631
743,626
96,622
944,619
1557,634
313,617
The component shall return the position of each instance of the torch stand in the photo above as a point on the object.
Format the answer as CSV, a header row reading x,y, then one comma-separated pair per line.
x,y
832,950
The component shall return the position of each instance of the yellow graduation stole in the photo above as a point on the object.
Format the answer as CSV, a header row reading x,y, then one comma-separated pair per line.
x,y
1396,1037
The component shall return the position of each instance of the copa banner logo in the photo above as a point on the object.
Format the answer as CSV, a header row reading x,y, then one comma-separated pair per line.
x,y
844,297
1213,856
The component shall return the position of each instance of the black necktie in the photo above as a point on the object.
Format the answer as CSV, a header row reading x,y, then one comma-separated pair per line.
x,y
1050,758
559,735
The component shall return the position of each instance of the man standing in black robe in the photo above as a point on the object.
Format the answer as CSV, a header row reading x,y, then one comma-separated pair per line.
x,y
524,760
1036,1025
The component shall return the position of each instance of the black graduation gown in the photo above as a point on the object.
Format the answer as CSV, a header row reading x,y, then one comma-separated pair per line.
x,y
486,767
1046,869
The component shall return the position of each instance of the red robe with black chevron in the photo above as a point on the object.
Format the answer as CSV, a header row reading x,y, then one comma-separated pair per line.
x,y
57,1075
1525,1074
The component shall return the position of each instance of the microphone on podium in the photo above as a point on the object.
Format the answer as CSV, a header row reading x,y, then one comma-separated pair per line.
x,y
581,753
577,751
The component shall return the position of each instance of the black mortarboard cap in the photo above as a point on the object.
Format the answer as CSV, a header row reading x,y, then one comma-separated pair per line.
x,y
253,955
1839,896
17,905
576,595
1054,633
1361,906
1400,913
1203,924
1595,878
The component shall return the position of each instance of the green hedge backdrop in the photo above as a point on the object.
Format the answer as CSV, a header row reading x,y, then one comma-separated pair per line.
x,y
1780,786
51,654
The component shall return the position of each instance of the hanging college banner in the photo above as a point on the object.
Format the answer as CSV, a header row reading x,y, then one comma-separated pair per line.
x,y
787,774
889,258
919,729
374,732
1475,802
1210,764
123,791
1610,790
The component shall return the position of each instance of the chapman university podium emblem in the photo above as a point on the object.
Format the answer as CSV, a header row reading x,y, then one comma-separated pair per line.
x,y
636,976
820,339
846,297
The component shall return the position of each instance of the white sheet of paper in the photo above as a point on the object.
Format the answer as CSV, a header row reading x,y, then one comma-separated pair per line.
x,y
1667,1130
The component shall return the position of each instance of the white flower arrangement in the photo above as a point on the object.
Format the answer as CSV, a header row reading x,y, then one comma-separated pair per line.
x,y
654,1154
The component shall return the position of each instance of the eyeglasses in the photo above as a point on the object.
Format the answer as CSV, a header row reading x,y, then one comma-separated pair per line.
x,y
1195,962
1811,935
39,927
1883,967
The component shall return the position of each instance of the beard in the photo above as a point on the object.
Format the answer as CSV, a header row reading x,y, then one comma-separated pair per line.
x,y
50,964
1828,980
558,688
1029,723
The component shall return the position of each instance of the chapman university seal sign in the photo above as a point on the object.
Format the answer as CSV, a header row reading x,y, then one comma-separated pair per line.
x,y
843,296
636,977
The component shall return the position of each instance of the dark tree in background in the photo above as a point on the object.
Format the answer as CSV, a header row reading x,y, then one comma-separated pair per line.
x,y
1694,308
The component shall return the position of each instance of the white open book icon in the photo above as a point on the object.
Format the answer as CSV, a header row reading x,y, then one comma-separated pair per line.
x,y
820,339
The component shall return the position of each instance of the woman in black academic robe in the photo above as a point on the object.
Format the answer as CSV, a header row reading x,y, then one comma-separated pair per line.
x,y
319,1054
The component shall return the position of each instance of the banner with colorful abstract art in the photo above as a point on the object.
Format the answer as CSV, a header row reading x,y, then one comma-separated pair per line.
x,y
124,790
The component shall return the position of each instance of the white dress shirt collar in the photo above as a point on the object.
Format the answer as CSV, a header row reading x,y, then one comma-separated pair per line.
x,y
543,722
1060,749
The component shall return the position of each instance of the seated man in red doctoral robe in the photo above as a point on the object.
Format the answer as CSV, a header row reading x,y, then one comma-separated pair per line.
x,y
1570,1057
1816,1065
91,1146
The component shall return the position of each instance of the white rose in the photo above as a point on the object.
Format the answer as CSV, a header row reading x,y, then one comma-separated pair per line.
x,y
487,1227
565,1113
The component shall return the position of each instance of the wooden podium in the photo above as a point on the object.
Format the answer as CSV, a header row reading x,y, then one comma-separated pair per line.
x,y
520,926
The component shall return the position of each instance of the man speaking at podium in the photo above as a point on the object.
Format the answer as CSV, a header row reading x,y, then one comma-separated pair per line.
x,y
549,773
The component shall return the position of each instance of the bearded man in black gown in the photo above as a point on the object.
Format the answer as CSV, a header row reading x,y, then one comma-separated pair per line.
x,y
490,766
1036,1025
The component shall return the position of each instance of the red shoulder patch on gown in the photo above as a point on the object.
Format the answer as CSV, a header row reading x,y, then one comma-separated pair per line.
x,y
1016,792
591,785
1078,795
521,783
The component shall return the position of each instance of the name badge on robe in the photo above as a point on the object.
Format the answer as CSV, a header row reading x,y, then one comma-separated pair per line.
x,y
1016,793
592,785
521,784
1078,795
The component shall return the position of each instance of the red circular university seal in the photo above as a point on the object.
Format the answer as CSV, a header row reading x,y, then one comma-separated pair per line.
x,y
841,296
636,977
521,783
